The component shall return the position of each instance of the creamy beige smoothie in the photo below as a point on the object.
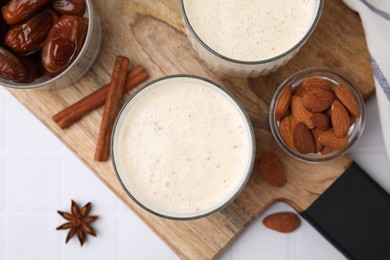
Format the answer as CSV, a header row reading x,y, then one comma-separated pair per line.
x,y
249,38
183,147
251,30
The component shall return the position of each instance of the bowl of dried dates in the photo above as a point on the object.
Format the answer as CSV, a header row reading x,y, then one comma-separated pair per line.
x,y
47,42
316,115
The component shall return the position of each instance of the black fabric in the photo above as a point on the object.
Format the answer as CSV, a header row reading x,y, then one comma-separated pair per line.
x,y
354,215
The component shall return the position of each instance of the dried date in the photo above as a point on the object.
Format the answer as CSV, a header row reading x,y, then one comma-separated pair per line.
x,y
3,29
3,2
64,43
29,37
11,68
70,7
17,11
35,68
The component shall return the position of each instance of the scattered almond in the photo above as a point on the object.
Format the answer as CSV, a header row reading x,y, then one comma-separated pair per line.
x,y
284,222
300,113
348,99
328,138
303,139
286,131
283,103
272,170
317,100
340,119
321,121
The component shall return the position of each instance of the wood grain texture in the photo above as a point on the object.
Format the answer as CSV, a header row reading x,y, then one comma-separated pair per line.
x,y
151,32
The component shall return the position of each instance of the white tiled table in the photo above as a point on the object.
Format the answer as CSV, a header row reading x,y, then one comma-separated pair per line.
x,y
38,176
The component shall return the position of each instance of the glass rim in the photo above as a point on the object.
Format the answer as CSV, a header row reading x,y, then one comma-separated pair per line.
x,y
312,72
88,37
260,62
250,166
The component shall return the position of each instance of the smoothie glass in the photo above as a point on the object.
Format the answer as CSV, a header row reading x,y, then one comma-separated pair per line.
x,y
239,67
134,191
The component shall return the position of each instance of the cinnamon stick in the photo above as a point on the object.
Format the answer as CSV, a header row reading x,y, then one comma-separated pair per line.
x,y
111,109
78,110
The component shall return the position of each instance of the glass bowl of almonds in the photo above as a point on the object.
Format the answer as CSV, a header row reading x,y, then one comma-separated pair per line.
x,y
317,115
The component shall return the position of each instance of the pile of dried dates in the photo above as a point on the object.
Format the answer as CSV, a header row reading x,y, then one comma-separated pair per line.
x,y
40,37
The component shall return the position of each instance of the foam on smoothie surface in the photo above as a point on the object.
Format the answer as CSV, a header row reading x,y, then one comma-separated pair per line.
x,y
251,30
183,147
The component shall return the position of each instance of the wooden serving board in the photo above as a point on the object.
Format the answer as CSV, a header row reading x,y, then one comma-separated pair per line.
x,y
151,33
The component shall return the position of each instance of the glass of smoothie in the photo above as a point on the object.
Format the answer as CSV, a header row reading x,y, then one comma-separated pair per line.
x,y
183,147
249,38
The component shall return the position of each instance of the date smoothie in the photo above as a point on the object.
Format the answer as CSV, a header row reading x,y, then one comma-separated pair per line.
x,y
251,30
249,38
183,147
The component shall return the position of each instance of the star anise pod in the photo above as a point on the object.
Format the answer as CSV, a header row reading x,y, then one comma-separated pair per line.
x,y
78,222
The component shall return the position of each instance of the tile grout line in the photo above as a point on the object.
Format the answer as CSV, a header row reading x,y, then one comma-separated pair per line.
x,y
120,231
2,191
2,254
3,107
289,247
6,177
119,236
6,207
61,198
295,245
7,126
28,152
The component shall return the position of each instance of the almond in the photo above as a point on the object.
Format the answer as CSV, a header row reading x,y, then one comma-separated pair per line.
x,y
286,131
284,222
345,95
329,112
303,139
340,119
352,120
316,133
329,139
317,100
272,170
321,121
300,90
283,103
326,150
316,82
300,113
